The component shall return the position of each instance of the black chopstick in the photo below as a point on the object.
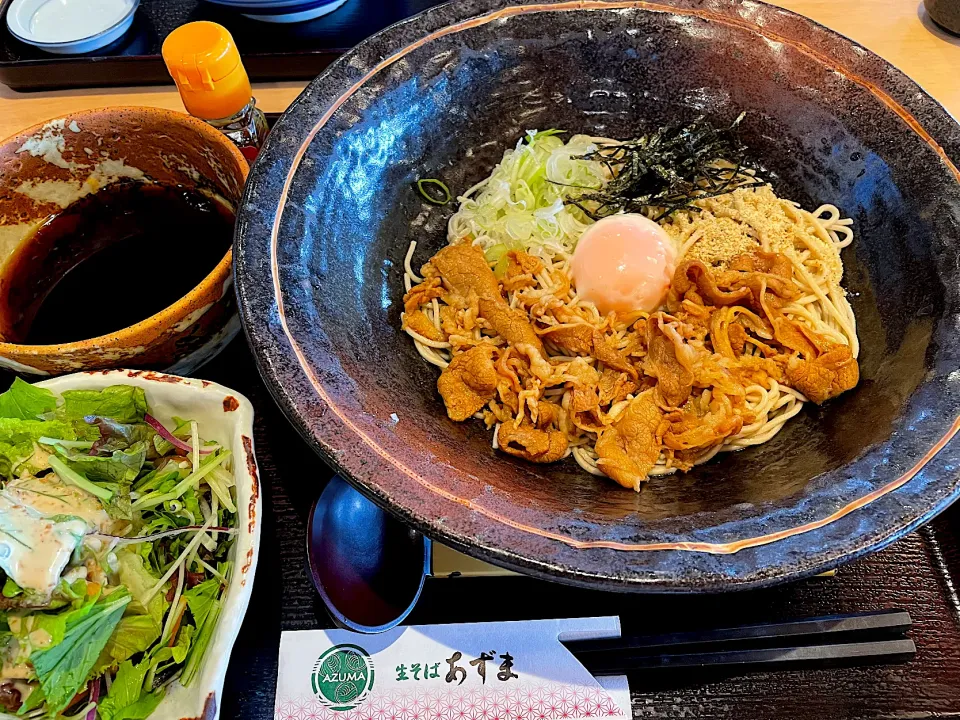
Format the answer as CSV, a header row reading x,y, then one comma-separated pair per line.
x,y
888,623
889,651
868,637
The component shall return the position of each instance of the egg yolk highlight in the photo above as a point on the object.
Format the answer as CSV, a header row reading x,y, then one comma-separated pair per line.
x,y
624,263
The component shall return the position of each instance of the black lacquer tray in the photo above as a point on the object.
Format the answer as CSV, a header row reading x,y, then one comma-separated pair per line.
x,y
919,573
270,51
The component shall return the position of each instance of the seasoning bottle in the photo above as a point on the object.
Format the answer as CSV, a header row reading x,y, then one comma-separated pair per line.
x,y
205,64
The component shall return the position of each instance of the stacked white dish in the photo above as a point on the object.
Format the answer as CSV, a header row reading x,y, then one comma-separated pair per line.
x,y
281,11
70,27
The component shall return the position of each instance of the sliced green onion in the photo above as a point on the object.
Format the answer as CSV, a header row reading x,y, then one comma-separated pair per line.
x,y
543,134
525,203
431,196
500,269
494,253
72,476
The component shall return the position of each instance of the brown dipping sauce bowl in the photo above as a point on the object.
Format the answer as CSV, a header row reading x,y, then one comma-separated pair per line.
x,y
52,166
945,13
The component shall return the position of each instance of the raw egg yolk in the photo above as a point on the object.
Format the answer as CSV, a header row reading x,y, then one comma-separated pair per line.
x,y
624,263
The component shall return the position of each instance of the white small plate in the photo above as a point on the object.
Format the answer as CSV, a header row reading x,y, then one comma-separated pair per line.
x,y
249,9
226,417
297,17
273,5
70,27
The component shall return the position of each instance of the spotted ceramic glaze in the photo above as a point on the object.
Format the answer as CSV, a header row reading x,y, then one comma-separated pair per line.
x,y
330,209
226,417
45,168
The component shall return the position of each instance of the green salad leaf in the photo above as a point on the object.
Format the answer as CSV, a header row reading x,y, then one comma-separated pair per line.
x,y
19,438
141,709
121,403
77,590
139,581
33,701
126,689
199,649
181,430
182,646
118,436
134,634
120,466
13,456
83,605
120,506
126,699
141,624
55,624
14,430
163,657
69,475
11,589
63,669
201,598
25,401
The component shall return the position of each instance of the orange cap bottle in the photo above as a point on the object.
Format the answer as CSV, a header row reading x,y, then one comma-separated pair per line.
x,y
205,64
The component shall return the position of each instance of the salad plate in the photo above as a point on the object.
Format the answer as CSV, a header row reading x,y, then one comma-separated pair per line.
x,y
129,534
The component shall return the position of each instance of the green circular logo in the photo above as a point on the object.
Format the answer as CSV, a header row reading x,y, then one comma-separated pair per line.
x,y
342,677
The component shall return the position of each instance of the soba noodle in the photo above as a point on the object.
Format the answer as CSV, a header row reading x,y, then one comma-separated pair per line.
x,y
751,216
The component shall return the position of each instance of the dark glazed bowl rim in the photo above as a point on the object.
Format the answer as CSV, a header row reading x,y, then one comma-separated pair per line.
x,y
296,389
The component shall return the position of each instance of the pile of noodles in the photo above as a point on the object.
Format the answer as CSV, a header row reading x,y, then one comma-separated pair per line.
x,y
495,216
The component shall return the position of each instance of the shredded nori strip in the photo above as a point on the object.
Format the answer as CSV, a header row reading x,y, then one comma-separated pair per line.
x,y
669,170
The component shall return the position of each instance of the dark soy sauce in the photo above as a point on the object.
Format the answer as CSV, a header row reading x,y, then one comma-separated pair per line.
x,y
110,260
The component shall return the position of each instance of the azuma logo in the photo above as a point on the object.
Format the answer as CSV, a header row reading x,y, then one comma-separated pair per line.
x,y
345,677
342,677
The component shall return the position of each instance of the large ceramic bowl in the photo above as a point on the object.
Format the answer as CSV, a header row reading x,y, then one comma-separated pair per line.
x,y
52,165
330,209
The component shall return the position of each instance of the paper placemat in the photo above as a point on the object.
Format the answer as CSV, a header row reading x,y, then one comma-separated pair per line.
x,y
471,671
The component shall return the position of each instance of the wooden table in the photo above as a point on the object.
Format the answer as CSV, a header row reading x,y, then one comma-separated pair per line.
x,y
919,573
897,30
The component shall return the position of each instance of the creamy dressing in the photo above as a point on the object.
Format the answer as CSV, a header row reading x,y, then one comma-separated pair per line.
x,y
50,496
24,689
34,550
16,655
40,639
17,671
